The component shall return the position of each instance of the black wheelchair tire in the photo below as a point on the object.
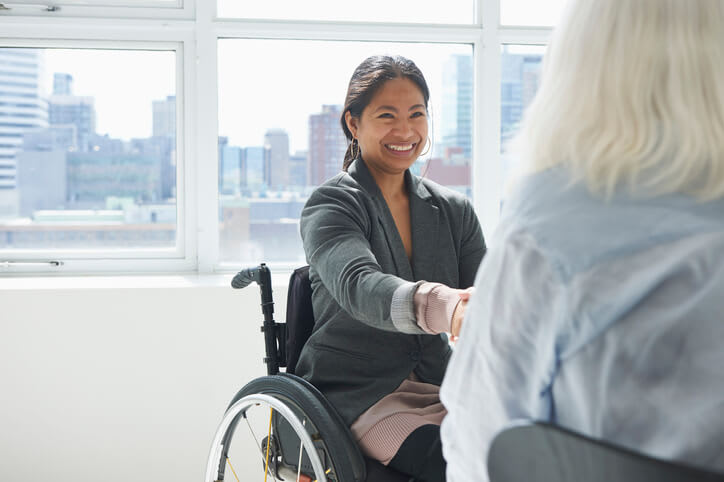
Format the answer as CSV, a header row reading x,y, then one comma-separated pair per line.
x,y
344,454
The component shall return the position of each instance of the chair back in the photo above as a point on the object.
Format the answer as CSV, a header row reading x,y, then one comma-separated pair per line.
x,y
540,452
300,317
299,326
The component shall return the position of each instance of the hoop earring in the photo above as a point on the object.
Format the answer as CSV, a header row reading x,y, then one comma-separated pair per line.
x,y
429,146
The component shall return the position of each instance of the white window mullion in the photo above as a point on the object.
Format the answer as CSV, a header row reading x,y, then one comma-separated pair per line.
x,y
206,163
487,171
187,122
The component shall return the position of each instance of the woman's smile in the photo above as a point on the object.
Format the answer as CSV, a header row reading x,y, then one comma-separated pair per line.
x,y
401,149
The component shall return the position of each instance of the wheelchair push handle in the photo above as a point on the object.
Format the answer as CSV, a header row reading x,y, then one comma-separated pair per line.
x,y
262,276
274,333
245,277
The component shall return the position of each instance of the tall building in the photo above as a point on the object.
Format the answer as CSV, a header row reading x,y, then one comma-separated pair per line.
x,y
298,169
67,109
520,75
108,144
22,108
42,169
327,145
457,107
229,167
255,168
164,117
164,134
62,84
277,141
94,177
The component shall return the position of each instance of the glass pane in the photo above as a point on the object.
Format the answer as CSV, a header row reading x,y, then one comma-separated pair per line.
x,y
539,13
87,149
519,75
398,11
280,133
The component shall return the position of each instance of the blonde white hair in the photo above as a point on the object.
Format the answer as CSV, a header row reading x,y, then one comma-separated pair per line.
x,y
632,92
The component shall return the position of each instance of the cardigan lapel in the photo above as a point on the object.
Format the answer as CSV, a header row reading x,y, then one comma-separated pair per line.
x,y
358,170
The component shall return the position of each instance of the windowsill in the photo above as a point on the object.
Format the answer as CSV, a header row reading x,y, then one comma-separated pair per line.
x,y
150,281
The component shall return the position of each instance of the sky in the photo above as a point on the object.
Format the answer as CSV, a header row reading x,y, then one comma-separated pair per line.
x,y
123,83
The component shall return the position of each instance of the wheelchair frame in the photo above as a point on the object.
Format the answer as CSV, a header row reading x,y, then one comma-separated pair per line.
x,y
297,408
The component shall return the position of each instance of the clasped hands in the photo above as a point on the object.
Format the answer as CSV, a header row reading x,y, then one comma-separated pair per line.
x,y
456,323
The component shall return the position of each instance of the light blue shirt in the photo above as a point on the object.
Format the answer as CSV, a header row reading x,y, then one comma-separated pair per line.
x,y
606,317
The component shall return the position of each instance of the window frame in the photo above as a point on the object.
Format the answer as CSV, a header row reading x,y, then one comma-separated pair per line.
x,y
475,19
68,9
195,30
180,257
352,32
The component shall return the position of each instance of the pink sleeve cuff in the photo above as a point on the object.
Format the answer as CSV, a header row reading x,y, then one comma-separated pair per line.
x,y
435,304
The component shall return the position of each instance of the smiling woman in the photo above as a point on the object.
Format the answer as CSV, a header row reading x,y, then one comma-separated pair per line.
x,y
390,256
385,119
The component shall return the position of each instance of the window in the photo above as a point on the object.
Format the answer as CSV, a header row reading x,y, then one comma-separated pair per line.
x,y
276,147
519,79
185,135
89,157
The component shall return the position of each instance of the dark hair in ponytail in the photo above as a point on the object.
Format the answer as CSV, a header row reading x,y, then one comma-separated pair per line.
x,y
366,80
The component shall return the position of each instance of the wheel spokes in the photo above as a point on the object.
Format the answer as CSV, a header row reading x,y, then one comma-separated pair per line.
x,y
285,428
268,443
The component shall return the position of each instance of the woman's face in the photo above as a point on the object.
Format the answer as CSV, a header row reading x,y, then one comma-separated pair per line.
x,y
392,130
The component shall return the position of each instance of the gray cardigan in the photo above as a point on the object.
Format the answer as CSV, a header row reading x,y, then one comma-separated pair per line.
x,y
357,353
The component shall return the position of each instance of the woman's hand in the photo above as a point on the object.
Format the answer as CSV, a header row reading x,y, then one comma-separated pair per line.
x,y
459,313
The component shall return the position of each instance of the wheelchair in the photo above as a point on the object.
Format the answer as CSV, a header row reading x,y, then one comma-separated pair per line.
x,y
295,432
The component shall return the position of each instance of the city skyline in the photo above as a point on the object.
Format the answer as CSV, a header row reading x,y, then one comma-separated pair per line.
x,y
52,157
117,89
263,177
450,112
130,119
301,76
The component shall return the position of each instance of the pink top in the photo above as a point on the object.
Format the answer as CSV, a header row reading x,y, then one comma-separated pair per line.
x,y
382,428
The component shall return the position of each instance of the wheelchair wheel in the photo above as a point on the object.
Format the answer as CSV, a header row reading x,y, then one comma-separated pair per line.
x,y
283,429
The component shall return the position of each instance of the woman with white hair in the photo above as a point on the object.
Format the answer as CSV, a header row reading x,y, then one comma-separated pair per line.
x,y
600,303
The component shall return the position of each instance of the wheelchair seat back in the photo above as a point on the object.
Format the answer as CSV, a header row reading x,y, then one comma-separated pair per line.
x,y
299,327
300,317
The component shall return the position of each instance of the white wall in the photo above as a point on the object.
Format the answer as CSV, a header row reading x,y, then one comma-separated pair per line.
x,y
119,382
